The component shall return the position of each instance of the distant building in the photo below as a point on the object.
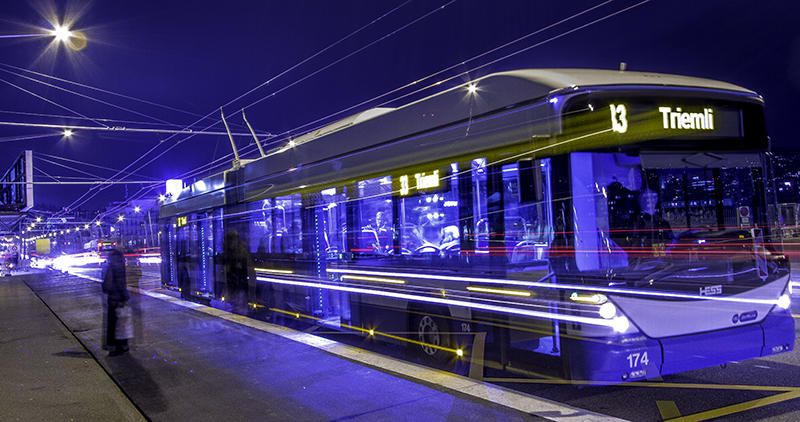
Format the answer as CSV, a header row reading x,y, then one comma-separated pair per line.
x,y
134,223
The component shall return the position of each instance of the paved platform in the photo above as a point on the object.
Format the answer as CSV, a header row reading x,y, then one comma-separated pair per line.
x,y
45,373
191,362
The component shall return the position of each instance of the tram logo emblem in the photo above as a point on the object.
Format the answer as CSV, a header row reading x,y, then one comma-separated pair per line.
x,y
711,290
745,317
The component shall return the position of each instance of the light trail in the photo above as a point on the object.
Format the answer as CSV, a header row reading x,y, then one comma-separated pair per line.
x,y
25,35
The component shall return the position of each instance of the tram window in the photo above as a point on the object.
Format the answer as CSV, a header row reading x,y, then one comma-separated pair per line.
x,y
261,227
429,221
480,206
375,217
289,227
332,218
603,203
632,215
529,224
276,226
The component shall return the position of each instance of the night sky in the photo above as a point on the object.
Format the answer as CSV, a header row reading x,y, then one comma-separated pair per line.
x,y
169,65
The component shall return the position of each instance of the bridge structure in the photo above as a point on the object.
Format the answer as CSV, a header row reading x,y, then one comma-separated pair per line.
x,y
16,194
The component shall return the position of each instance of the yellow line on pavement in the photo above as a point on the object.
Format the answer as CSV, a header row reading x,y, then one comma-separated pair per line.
x,y
668,410
741,407
647,384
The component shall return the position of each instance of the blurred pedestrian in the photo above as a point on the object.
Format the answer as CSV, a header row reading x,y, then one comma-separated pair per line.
x,y
239,272
116,287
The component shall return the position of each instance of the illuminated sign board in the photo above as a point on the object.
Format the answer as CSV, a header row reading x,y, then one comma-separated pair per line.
x,y
681,120
182,221
671,119
426,181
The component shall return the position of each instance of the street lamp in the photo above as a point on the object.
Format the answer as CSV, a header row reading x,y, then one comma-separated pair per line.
x,y
72,39
62,33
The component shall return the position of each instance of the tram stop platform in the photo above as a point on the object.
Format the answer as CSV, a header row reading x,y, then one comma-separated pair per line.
x,y
192,362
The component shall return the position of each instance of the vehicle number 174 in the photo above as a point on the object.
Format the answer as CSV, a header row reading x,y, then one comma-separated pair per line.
x,y
634,359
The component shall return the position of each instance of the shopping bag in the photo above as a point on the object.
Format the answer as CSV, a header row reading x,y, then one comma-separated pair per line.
x,y
124,328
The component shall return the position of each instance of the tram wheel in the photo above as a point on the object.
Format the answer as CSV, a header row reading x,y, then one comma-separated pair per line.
x,y
434,337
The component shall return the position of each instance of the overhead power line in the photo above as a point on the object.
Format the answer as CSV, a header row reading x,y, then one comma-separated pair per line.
x,y
125,129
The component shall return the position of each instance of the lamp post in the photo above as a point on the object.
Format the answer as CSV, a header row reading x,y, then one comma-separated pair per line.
x,y
120,237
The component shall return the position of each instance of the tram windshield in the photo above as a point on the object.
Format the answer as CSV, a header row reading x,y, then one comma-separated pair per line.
x,y
672,218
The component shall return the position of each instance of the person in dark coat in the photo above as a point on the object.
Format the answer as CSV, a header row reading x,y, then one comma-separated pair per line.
x,y
239,273
116,287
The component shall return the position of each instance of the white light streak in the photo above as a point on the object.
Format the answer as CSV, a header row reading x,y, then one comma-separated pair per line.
x,y
449,302
550,286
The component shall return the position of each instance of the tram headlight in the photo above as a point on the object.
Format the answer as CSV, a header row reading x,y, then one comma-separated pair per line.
x,y
785,301
620,324
608,310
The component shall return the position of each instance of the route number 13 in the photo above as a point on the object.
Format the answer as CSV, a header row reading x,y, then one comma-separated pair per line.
x,y
635,358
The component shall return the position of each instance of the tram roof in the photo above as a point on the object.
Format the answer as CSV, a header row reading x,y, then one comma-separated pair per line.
x,y
502,89
360,133
556,79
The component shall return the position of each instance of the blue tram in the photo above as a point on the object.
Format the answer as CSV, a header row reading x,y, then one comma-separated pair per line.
x,y
621,224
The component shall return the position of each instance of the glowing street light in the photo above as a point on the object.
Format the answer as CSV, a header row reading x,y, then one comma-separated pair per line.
x,y
121,217
62,33
67,133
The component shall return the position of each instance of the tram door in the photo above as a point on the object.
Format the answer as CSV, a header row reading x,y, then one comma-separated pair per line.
x,y
194,255
169,276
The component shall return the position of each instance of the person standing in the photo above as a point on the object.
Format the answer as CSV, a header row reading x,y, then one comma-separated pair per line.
x,y
116,287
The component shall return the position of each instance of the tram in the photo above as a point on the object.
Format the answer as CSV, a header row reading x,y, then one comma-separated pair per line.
x,y
622,224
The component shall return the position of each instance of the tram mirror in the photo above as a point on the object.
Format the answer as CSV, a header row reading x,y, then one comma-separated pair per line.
x,y
530,181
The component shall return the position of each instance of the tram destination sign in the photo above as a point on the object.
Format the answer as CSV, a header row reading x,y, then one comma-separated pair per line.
x,y
636,119
675,120
427,181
